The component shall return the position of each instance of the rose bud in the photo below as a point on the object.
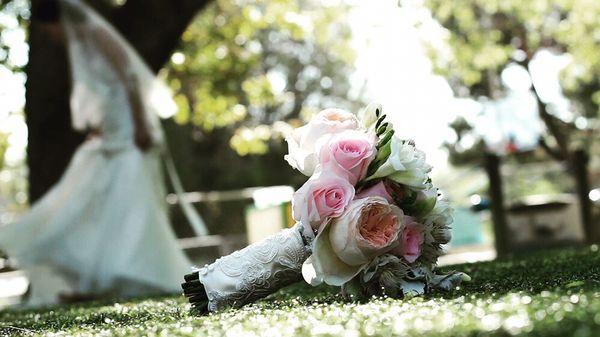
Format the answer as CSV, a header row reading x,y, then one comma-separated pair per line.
x,y
410,240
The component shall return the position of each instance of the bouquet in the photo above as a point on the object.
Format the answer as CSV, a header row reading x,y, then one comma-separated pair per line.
x,y
368,220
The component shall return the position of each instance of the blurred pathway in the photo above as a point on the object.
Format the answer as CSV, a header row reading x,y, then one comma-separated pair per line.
x,y
468,254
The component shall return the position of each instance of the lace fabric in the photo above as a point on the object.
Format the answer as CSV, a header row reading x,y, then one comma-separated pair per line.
x,y
253,272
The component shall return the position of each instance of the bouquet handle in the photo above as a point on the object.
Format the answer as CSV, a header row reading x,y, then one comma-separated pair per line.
x,y
251,273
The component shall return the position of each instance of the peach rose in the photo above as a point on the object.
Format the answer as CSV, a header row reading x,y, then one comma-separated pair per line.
x,y
368,228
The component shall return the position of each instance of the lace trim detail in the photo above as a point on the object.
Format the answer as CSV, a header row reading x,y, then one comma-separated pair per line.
x,y
256,271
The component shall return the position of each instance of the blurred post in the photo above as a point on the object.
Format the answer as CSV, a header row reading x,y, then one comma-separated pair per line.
x,y
582,184
492,168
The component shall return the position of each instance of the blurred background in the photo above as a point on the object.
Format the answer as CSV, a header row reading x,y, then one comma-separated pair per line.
x,y
503,96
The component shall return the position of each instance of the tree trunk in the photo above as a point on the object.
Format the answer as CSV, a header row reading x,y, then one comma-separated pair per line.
x,y
492,168
51,140
152,26
579,163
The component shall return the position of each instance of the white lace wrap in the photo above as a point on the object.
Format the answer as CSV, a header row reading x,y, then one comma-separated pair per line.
x,y
255,271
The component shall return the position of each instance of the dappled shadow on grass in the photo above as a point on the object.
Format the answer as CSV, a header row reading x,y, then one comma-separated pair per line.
x,y
551,293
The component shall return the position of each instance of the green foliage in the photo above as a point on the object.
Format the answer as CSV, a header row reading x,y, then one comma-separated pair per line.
x,y
247,140
247,64
579,34
484,36
3,148
552,293
542,183
459,153
244,70
15,15
13,181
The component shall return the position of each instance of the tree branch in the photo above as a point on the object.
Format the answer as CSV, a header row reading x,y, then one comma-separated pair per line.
x,y
551,122
557,155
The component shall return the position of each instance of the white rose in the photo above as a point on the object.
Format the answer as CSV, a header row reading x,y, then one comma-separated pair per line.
x,y
442,213
438,223
425,201
304,142
406,165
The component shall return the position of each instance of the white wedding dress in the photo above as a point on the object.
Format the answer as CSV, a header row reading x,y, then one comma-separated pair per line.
x,y
103,228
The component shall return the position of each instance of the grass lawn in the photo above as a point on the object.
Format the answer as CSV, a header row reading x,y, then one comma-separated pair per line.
x,y
553,293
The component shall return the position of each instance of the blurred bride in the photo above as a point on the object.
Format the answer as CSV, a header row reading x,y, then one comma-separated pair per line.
x,y
103,228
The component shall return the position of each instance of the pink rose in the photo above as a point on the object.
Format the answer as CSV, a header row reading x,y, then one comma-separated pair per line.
x,y
303,142
368,228
411,239
377,190
326,194
350,150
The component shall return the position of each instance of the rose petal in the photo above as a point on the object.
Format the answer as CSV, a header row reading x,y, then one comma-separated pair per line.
x,y
309,273
325,262
377,190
